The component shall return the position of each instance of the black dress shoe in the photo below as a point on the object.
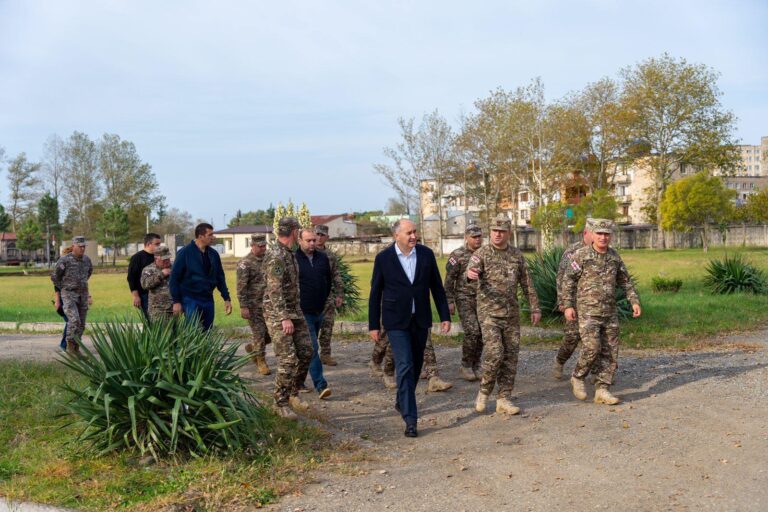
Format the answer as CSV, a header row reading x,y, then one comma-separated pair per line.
x,y
410,431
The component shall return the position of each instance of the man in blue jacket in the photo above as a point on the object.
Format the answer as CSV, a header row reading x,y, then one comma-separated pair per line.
x,y
404,274
196,272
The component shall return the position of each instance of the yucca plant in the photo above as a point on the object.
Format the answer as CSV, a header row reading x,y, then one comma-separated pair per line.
x,y
543,268
351,304
735,275
165,387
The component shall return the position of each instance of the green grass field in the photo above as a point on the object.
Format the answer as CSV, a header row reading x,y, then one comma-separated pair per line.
x,y
675,320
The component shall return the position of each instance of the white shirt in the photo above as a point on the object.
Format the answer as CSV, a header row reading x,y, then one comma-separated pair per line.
x,y
409,266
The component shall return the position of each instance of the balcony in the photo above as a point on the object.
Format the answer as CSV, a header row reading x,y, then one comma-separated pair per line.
x,y
627,198
624,219
622,179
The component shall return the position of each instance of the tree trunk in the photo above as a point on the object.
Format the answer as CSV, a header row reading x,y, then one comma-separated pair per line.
x,y
704,238
660,240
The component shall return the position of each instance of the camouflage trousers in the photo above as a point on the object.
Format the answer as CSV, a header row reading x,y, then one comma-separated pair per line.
x,y
294,353
326,329
571,340
382,352
472,347
501,337
599,348
259,334
75,306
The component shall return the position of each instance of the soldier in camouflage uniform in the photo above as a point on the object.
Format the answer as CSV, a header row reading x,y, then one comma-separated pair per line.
x,y
70,276
499,268
589,286
250,294
462,297
285,320
335,298
154,279
571,329
382,352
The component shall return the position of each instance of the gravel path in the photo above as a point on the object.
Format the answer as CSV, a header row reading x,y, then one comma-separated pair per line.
x,y
691,434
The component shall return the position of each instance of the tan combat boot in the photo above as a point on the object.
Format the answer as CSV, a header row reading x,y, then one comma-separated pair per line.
x,y
297,404
603,396
375,369
557,371
480,402
436,384
327,360
287,413
504,406
389,382
261,365
468,374
578,388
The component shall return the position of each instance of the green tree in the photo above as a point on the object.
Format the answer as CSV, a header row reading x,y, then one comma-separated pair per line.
x,y
698,201
81,187
600,204
253,218
5,219
757,206
674,112
280,212
29,237
112,229
305,219
22,188
48,218
549,220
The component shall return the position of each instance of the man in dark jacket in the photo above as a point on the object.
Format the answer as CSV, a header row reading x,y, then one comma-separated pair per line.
x,y
136,265
315,278
196,272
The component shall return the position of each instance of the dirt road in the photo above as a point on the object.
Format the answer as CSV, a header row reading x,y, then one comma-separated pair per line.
x,y
691,434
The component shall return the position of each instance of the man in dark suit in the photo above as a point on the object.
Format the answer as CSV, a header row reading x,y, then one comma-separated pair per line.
x,y
403,276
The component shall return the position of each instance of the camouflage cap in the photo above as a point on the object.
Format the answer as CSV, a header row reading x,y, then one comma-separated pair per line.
x,y
321,229
163,252
79,240
288,223
474,230
258,239
590,224
602,226
501,223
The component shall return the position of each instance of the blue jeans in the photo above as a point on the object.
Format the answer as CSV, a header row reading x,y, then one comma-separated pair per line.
x,y
201,307
408,351
63,343
145,304
315,366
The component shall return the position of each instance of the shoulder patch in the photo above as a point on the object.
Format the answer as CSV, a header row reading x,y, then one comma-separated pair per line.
x,y
241,265
574,265
475,258
452,260
62,266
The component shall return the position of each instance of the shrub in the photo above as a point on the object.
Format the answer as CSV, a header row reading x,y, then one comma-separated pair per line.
x,y
543,268
163,388
664,284
351,304
735,275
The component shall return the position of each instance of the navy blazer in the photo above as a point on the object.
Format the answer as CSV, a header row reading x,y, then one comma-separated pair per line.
x,y
392,292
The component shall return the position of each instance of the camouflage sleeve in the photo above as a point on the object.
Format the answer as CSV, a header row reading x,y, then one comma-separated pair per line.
x,y
452,271
338,284
275,271
624,281
243,276
58,273
150,279
475,262
90,269
560,274
571,278
260,288
526,283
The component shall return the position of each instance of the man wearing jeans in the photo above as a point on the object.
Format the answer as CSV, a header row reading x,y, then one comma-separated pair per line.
x,y
315,280
196,272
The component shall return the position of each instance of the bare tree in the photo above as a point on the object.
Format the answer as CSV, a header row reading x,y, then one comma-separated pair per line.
x,y
22,188
80,181
53,165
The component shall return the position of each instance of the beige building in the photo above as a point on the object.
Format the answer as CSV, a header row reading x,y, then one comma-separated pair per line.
x,y
754,159
237,240
339,225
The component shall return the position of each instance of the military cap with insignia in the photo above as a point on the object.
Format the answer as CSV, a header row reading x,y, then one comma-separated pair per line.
x,y
602,226
501,223
259,239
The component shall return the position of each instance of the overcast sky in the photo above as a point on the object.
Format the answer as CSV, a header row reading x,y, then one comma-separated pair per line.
x,y
239,104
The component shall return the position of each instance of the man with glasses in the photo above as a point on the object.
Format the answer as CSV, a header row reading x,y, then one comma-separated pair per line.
x,y
196,272
136,265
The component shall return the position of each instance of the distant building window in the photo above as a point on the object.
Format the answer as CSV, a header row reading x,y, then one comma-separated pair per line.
x,y
524,214
524,196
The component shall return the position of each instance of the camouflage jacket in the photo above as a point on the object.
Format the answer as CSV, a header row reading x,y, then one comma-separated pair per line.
x,y
281,296
564,262
457,286
590,282
72,273
156,283
501,271
251,282
337,285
